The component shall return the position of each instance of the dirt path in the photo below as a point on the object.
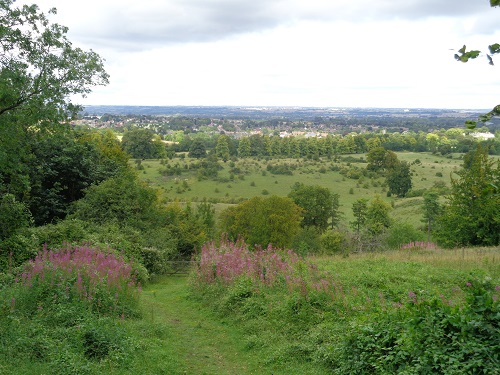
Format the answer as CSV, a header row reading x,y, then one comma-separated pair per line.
x,y
199,343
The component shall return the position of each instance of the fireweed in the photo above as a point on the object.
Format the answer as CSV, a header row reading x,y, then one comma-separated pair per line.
x,y
101,281
226,264
226,261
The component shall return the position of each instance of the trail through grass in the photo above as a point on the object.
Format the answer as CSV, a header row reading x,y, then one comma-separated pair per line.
x,y
195,342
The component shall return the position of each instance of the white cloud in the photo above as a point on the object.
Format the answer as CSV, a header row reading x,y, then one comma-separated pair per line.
x,y
383,53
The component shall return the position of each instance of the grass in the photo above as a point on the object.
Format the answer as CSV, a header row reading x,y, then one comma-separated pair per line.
x,y
256,179
251,328
194,340
305,319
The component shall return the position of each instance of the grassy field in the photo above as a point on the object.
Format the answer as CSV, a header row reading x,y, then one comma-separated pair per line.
x,y
290,335
255,180
246,328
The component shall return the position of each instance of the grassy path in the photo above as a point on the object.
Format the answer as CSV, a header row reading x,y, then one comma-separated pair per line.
x,y
194,342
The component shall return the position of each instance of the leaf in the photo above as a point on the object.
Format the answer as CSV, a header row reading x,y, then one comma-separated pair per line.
x,y
495,3
494,48
473,54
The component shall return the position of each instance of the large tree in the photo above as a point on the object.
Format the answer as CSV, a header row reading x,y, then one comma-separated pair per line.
x,y
399,179
142,144
316,203
40,68
472,213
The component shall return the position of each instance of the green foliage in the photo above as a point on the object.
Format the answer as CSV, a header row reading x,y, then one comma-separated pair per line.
x,y
464,55
198,149
66,163
360,211
428,336
472,213
316,203
431,210
402,233
142,144
14,215
380,159
222,147
121,199
334,242
280,169
307,241
399,179
39,67
377,216
262,221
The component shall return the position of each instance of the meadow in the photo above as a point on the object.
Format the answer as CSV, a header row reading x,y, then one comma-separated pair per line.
x,y
418,309
248,177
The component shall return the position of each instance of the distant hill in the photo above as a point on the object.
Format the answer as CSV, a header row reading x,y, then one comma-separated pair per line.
x,y
306,113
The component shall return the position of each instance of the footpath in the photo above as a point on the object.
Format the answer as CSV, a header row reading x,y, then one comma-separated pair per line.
x,y
197,343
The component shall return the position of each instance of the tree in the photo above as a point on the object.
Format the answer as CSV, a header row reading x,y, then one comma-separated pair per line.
x,y
14,215
335,214
39,67
464,56
64,164
431,210
262,221
360,210
140,144
399,179
122,200
244,148
222,147
197,149
316,203
380,159
39,72
471,215
377,216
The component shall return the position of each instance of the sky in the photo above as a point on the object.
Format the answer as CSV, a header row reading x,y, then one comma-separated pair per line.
x,y
315,53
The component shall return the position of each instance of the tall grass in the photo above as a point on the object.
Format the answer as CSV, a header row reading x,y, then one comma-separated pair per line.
x,y
62,314
105,282
316,309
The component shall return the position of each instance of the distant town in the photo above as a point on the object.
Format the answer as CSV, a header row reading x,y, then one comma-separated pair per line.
x,y
282,121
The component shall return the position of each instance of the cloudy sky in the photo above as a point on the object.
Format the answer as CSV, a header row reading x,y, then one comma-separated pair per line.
x,y
333,53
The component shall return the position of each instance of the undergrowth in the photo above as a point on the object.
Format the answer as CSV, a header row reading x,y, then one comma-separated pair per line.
x,y
293,312
63,313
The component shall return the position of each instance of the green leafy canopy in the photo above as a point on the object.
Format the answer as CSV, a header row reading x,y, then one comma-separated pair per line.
x,y
40,68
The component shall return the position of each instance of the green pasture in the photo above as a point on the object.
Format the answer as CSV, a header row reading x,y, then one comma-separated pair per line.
x,y
254,179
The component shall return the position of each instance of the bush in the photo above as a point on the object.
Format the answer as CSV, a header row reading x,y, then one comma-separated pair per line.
x,y
97,280
307,241
403,233
334,242
428,337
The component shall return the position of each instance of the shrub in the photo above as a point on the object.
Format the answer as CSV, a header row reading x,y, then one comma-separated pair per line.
x,y
427,337
403,233
334,242
101,281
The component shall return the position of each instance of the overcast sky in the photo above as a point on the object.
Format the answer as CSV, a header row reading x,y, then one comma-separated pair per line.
x,y
333,53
